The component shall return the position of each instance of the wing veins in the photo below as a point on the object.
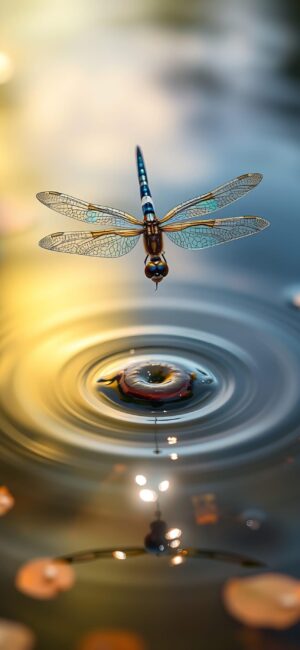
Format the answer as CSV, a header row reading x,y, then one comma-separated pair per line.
x,y
72,207
209,223
103,243
235,189
203,234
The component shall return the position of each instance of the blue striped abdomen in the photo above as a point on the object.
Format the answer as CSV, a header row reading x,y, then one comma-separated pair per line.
x,y
146,198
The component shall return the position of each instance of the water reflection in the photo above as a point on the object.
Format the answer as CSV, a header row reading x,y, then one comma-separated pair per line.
x,y
53,370
45,578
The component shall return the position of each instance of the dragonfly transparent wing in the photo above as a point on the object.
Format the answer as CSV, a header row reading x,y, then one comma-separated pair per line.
x,y
218,198
221,556
102,554
105,243
83,211
214,231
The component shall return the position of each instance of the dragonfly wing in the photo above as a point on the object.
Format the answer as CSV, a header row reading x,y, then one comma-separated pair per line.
x,y
213,232
83,211
222,556
105,243
218,198
101,554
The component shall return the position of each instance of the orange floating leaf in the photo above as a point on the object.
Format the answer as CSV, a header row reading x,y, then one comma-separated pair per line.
x,y
267,600
45,578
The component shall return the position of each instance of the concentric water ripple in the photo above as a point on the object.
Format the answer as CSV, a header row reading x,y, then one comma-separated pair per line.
x,y
245,404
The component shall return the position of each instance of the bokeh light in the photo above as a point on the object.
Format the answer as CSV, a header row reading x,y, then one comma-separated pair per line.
x,y
149,496
173,533
172,440
15,636
111,640
6,68
177,560
164,486
175,543
119,555
140,479
296,300
44,578
7,500
252,518
266,600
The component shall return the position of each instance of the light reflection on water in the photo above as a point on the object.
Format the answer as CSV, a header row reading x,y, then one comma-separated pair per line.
x,y
54,409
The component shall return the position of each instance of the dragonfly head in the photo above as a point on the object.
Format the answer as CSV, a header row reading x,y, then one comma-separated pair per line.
x,y
156,269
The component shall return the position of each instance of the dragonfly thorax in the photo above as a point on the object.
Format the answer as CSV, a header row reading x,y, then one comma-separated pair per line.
x,y
156,269
156,541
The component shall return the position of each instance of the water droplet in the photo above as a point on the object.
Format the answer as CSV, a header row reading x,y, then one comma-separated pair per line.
x,y
253,518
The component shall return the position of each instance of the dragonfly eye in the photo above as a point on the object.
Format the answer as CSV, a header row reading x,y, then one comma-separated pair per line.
x,y
150,269
162,268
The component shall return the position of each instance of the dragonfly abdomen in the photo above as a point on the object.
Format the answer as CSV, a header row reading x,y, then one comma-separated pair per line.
x,y
146,198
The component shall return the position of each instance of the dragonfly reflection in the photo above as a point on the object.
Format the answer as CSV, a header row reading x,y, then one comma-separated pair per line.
x,y
162,540
119,232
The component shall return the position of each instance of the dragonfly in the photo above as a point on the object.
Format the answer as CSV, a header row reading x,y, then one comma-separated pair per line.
x,y
118,232
162,541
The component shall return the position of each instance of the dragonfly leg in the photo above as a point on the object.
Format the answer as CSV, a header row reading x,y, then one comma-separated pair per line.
x,y
145,260
163,256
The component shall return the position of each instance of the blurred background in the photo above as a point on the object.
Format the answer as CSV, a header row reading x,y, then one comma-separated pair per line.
x,y
209,89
